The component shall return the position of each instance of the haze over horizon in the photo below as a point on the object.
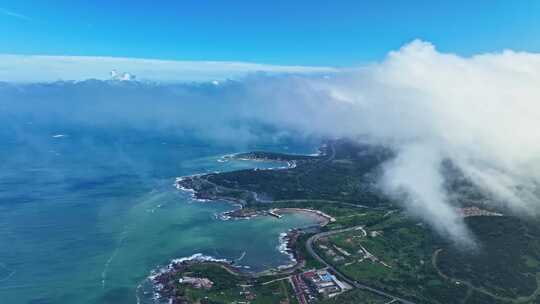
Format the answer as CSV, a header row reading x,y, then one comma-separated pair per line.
x,y
436,103
376,152
434,106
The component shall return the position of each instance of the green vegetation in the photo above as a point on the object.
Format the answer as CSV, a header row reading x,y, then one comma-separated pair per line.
x,y
229,287
482,298
302,253
394,253
398,259
345,174
277,156
356,296
507,262
421,267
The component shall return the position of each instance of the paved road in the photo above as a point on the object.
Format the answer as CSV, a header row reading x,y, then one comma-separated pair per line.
x,y
309,247
324,201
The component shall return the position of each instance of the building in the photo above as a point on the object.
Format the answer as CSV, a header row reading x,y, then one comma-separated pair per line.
x,y
324,283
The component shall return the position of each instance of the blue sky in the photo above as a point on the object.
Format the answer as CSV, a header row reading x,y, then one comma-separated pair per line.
x,y
329,33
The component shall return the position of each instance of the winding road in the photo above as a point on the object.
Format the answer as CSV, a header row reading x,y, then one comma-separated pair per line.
x,y
309,244
356,284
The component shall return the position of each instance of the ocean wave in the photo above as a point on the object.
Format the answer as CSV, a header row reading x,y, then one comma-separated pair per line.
x,y
225,158
284,248
111,258
197,257
191,192
11,272
289,164
241,256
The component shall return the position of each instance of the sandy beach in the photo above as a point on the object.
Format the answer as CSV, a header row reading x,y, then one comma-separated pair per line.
x,y
322,218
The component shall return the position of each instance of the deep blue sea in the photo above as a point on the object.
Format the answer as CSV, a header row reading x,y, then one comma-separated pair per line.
x,y
86,213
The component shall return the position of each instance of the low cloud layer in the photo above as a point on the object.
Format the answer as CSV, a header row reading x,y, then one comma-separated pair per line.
x,y
482,113
35,68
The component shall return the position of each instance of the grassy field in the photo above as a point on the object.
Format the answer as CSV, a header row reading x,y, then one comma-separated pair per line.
x,y
400,261
504,269
407,248
356,296
230,288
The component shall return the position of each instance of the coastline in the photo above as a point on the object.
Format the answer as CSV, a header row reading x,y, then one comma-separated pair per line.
x,y
322,218
187,184
160,278
162,283
239,212
249,156
287,240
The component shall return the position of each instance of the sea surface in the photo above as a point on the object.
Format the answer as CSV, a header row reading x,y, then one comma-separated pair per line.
x,y
87,214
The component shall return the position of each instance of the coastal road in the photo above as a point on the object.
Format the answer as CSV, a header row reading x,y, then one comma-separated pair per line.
x,y
324,201
356,284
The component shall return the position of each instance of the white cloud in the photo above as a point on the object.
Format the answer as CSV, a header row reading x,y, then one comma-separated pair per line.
x,y
480,112
35,68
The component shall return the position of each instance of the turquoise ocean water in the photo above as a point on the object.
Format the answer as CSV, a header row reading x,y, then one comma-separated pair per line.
x,y
86,216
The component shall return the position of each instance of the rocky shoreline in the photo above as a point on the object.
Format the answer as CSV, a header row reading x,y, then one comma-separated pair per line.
x,y
203,190
164,280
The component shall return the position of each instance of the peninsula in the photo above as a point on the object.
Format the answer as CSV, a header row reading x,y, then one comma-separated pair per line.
x,y
366,249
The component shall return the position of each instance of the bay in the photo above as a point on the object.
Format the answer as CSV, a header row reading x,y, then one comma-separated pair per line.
x,y
86,216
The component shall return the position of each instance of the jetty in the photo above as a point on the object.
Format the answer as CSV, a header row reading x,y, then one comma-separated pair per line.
x,y
273,213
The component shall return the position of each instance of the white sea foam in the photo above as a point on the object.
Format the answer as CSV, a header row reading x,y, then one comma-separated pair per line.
x,y
283,247
180,187
59,135
9,275
191,192
225,158
197,257
111,258
152,210
241,256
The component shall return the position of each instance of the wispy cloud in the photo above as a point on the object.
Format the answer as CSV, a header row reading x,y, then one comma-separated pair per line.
x,y
13,14
26,68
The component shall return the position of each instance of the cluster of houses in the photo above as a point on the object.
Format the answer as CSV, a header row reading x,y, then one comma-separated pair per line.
x,y
313,284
